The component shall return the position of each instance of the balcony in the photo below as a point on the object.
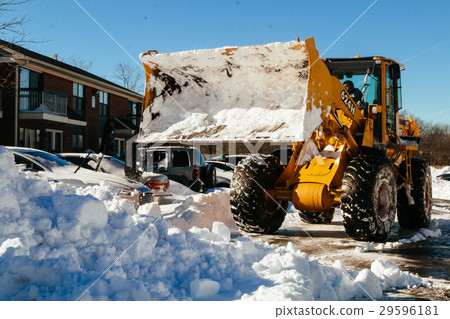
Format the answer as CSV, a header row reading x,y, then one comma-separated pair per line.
x,y
43,101
46,105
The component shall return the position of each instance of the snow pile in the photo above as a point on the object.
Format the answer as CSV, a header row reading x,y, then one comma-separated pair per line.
x,y
93,245
391,275
200,210
433,231
441,188
289,274
229,94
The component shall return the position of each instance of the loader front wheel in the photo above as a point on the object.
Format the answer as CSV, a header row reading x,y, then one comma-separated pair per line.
x,y
369,198
417,215
253,209
316,217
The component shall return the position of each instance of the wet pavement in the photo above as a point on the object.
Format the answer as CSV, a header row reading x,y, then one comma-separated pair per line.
x,y
429,258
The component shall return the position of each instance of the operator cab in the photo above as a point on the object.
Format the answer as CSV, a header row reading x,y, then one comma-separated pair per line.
x,y
373,76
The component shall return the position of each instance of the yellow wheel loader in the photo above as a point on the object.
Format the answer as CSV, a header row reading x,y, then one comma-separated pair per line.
x,y
352,151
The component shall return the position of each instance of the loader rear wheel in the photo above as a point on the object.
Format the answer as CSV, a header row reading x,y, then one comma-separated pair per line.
x,y
418,215
253,210
369,198
316,217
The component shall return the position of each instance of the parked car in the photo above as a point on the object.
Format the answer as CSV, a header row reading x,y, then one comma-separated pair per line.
x,y
159,183
232,159
445,177
47,165
224,172
185,165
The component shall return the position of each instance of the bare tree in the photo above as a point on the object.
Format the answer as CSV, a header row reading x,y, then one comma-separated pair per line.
x,y
77,62
131,77
12,29
435,143
11,25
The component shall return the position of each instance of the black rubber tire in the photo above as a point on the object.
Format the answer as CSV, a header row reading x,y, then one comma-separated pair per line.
x,y
418,215
316,217
209,177
369,198
252,211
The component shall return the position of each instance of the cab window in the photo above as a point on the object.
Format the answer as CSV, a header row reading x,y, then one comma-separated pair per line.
x,y
180,159
393,98
158,160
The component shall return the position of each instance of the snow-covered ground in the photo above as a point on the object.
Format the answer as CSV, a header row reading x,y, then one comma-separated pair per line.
x,y
58,242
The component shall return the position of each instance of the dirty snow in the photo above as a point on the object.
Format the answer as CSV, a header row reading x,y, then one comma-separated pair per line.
x,y
229,94
433,231
57,240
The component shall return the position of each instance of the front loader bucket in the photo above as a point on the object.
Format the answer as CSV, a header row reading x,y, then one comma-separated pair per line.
x,y
263,92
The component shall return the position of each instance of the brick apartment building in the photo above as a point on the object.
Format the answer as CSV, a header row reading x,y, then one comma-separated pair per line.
x,y
51,105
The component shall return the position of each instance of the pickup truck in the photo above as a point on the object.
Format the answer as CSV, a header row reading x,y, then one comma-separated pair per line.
x,y
185,165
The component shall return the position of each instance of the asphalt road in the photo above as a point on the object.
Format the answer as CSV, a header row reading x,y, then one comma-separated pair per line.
x,y
429,258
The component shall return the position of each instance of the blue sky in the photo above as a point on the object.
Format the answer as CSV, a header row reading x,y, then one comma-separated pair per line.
x,y
415,33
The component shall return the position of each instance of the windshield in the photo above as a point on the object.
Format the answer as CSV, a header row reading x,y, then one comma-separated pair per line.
x,y
118,161
113,166
365,76
368,83
45,158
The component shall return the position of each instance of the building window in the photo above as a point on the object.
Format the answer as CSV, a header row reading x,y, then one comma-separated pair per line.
x,y
104,105
30,94
54,141
120,147
77,143
29,137
29,79
78,98
133,112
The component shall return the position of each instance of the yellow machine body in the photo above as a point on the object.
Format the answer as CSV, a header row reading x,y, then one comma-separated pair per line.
x,y
312,179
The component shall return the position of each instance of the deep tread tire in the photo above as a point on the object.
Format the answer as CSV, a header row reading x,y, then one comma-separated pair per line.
x,y
251,211
418,215
369,198
316,217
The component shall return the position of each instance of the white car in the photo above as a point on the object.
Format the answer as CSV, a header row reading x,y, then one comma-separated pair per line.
x,y
158,183
47,165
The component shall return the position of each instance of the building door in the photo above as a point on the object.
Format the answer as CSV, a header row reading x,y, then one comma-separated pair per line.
x,y
54,141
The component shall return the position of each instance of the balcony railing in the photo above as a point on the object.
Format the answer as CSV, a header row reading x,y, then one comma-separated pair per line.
x,y
43,101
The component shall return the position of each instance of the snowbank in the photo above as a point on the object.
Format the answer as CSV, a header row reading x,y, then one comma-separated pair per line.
x,y
433,231
200,210
92,245
441,188
229,94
